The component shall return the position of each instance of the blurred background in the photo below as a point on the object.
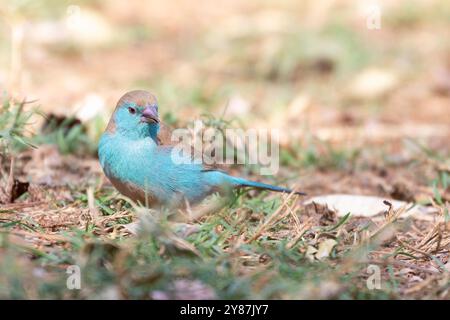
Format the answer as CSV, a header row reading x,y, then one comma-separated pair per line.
x,y
351,72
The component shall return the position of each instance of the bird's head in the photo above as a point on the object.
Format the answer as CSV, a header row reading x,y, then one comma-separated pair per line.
x,y
136,115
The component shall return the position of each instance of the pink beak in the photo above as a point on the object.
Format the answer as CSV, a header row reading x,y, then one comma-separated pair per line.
x,y
150,115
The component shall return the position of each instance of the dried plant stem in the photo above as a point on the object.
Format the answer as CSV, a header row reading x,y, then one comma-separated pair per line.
x,y
410,247
399,263
6,193
46,236
274,217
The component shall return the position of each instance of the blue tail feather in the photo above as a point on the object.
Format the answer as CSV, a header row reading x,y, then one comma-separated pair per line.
x,y
258,185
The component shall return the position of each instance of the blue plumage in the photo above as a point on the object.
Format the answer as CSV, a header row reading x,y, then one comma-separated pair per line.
x,y
142,169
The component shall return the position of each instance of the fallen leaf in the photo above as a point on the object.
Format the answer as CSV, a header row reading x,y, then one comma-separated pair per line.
x,y
373,83
325,248
310,251
368,206
183,230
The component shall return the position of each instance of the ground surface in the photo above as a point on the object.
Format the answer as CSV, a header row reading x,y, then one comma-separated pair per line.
x,y
362,112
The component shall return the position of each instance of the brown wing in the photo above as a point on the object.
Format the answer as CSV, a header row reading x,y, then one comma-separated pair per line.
x,y
164,135
164,140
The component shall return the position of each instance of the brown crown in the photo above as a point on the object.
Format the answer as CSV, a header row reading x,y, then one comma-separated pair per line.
x,y
141,98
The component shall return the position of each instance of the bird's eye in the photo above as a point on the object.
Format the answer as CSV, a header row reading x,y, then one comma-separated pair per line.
x,y
131,110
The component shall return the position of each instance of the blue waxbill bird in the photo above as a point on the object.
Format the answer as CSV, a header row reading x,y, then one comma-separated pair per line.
x,y
139,164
